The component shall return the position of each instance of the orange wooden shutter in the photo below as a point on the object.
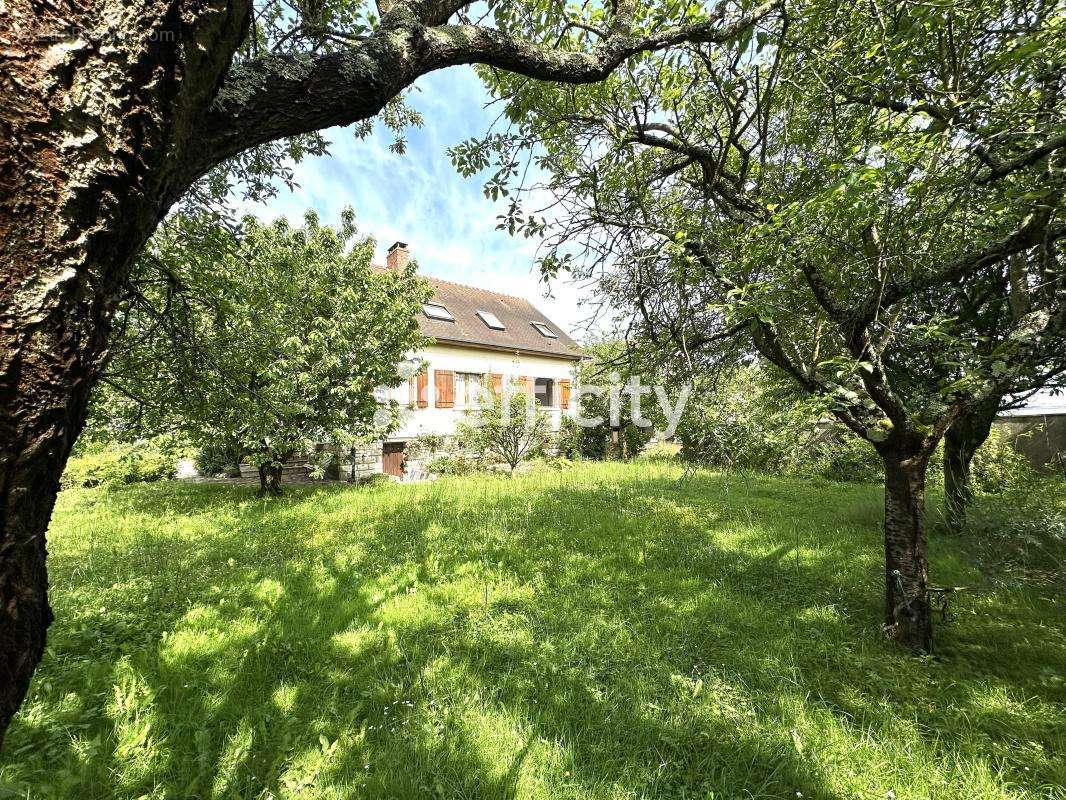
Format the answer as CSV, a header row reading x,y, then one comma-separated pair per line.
x,y
445,383
496,383
423,389
526,383
412,391
564,394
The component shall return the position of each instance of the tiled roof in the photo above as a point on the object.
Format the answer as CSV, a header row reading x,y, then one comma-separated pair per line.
x,y
516,315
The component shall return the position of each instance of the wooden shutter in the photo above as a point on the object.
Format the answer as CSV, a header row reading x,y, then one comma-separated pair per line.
x,y
564,394
496,383
526,383
422,389
444,380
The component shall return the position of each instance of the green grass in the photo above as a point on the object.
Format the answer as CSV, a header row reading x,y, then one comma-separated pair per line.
x,y
605,631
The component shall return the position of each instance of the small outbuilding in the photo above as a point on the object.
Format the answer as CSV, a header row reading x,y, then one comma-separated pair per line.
x,y
1037,429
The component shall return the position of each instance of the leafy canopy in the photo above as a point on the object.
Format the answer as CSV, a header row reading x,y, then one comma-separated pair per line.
x,y
869,195
271,339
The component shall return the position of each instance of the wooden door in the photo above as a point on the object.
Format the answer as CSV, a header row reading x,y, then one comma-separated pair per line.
x,y
392,458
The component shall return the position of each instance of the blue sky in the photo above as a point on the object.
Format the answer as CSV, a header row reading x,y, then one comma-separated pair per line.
x,y
420,199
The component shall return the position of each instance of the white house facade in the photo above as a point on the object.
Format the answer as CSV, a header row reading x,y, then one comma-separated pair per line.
x,y
483,341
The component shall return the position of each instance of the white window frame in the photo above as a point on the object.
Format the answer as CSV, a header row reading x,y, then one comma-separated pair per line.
x,y
447,316
491,320
543,329
468,387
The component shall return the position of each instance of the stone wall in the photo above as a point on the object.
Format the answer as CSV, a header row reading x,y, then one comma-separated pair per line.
x,y
367,462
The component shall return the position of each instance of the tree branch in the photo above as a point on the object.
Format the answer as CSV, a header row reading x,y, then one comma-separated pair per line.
x,y
1034,231
278,95
999,170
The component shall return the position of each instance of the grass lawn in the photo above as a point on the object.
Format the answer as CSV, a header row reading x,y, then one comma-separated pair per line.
x,y
602,631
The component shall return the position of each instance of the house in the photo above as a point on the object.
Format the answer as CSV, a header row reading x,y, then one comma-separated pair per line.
x,y
480,338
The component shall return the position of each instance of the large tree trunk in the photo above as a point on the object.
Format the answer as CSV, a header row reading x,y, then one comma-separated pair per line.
x,y
270,479
966,434
907,615
93,125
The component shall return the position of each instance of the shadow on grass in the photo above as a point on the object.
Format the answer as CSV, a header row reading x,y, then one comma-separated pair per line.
x,y
607,633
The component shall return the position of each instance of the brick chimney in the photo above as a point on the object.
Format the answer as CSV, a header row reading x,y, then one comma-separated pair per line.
x,y
398,256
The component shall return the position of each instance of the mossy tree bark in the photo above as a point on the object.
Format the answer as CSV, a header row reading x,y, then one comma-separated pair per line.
x,y
962,440
95,128
907,614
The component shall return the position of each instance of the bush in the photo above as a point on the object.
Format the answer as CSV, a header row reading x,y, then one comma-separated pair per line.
x,y
837,455
661,451
595,442
997,466
453,464
1021,532
744,422
114,464
738,422
218,458
567,440
498,434
426,446
558,463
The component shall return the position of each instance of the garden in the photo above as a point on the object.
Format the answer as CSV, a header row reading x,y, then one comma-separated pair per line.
x,y
823,240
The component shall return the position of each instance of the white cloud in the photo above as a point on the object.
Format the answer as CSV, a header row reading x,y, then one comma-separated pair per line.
x,y
420,199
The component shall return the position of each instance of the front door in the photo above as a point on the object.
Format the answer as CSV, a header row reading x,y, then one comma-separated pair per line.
x,y
392,458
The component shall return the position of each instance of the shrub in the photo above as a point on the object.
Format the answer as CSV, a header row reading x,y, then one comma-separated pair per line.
x,y
218,458
498,434
1021,532
997,466
595,442
836,455
743,422
661,451
737,422
453,464
114,463
567,440
557,463
426,446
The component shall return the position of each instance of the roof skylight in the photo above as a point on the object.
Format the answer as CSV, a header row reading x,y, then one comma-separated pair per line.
x,y
491,320
437,311
544,330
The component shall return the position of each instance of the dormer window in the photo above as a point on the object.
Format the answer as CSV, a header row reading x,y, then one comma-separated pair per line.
x,y
437,311
544,330
491,320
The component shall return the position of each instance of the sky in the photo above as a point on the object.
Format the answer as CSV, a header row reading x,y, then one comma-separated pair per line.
x,y
419,198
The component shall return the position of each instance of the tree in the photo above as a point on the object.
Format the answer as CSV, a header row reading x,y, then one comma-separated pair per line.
x,y
614,363
112,113
508,428
272,338
848,191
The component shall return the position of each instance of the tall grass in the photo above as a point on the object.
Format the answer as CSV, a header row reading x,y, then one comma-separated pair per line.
x,y
605,631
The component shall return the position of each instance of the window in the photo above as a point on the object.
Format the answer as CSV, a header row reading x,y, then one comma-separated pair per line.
x,y
468,388
491,320
544,392
437,311
544,330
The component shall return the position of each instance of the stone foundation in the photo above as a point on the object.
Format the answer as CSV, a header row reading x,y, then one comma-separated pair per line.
x,y
361,463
